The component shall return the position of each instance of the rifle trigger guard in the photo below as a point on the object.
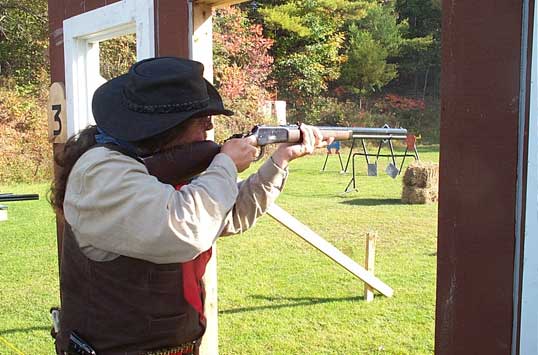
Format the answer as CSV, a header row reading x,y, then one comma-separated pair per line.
x,y
262,153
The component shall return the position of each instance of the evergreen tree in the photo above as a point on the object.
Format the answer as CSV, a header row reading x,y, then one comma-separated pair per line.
x,y
372,42
366,69
420,59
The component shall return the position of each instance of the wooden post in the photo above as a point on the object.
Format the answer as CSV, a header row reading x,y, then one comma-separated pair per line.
x,y
210,340
369,263
201,49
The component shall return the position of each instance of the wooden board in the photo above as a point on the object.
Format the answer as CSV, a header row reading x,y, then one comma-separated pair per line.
x,y
57,114
219,3
328,249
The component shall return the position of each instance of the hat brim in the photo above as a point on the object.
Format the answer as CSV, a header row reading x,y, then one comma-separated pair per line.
x,y
113,117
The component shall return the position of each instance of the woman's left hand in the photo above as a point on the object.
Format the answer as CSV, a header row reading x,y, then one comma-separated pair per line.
x,y
312,139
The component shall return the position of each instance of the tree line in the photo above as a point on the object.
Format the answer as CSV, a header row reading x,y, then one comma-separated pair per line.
x,y
356,47
348,62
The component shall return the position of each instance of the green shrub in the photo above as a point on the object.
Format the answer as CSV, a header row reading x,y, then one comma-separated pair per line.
x,y
417,117
117,55
326,111
423,123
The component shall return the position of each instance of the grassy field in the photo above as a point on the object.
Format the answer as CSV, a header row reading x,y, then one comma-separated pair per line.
x,y
277,294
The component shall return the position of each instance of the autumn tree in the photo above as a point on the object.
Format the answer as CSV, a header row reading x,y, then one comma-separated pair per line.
x,y
242,66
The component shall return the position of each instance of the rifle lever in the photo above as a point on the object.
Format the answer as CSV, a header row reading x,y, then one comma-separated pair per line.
x,y
261,154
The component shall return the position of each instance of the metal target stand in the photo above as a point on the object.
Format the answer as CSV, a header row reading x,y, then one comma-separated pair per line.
x,y
391,170
336,146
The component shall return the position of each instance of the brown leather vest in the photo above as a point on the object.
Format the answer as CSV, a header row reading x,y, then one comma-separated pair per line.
x,y
124,306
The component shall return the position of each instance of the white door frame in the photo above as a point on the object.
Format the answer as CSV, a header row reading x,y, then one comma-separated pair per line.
x,y
82,34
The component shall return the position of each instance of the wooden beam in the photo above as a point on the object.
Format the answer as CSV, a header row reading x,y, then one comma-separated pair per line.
x,y
328,249
210,339
218,3
481,67
201,49
171,28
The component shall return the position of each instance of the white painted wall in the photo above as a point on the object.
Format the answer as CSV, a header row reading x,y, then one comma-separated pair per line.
x,y
82,34
529,298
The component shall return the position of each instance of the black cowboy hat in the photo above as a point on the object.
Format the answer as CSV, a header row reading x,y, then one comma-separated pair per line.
x,y
155,95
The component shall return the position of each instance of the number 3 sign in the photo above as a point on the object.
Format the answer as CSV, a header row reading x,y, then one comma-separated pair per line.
x,y
57,114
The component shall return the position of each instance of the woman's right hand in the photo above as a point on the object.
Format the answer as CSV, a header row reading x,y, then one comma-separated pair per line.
x,y
241,151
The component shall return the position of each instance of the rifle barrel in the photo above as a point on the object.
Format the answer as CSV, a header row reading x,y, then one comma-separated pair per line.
x,y
12,197
347,133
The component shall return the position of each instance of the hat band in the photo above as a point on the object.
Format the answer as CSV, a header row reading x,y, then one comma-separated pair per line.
x,y
166,108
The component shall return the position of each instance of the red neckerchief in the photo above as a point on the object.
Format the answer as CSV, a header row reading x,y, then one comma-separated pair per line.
x,y
192,272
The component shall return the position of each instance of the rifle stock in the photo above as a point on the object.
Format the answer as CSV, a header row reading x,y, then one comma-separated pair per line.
x,y
181,163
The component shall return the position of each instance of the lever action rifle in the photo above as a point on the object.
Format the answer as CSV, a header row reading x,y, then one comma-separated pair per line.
x,y
180,163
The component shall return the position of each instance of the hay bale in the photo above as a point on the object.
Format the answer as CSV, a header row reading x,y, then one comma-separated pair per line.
x,y
418,196
421,174
420,183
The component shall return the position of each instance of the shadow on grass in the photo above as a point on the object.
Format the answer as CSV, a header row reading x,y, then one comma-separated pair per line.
x,y
373,202
23,330
288,302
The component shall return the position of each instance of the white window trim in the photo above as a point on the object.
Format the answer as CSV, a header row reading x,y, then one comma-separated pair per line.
x,y
82,34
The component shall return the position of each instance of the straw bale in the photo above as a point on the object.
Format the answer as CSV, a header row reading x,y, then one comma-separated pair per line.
x,y
417,195
422,175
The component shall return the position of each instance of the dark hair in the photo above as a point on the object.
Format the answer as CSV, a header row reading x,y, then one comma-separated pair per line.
x,y
84,141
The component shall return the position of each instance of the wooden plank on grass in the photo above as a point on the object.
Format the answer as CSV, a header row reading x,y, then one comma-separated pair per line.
x,y
328,249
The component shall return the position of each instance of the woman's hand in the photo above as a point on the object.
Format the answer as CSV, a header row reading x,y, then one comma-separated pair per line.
x,y
312,139
241,151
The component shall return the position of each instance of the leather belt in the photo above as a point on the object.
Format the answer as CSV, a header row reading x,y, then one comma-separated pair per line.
x,y
183,349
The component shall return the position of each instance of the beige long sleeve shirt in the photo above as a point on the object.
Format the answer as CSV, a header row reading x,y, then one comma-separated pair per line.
x,y
116,208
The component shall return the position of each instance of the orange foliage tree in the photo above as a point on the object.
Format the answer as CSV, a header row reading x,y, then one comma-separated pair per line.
x,y
242,65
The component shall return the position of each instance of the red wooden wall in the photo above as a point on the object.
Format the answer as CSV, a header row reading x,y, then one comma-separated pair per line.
x,y
480,91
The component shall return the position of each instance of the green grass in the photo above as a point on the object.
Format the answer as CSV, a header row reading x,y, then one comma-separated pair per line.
x,y
29,276
277,294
